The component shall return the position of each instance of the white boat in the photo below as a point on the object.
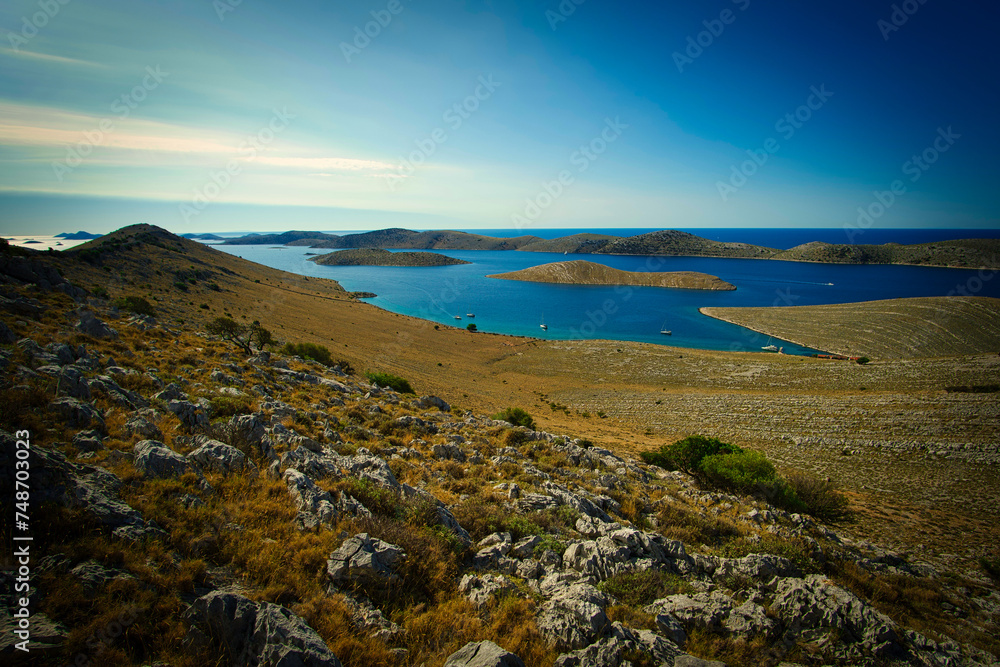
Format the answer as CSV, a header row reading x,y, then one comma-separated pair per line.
x,y
664,330
543,325
458,317
470,314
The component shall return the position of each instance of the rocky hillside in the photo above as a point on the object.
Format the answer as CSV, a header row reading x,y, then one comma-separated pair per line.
x,y
963,253
379,257
580,272
191,506
581,244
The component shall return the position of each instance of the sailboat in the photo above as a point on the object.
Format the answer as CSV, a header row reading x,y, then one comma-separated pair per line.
x,y
664,330
543,325
769,347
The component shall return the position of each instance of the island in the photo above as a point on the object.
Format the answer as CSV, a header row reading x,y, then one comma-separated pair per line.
x,y
379,257
580,272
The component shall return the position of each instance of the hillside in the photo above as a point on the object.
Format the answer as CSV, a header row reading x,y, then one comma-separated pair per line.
x,y
150,521
675,243
580,272
431,240
576,244
286,238
888,329
962,253
379,257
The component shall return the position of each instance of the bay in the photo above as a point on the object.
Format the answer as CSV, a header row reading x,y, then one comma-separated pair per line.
x,y
577,312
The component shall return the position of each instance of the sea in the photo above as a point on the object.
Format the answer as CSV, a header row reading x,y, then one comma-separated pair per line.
x,y
463,294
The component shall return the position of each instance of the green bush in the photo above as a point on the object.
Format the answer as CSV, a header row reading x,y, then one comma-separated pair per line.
x,y
312,351
472,327
820,497
516,416
863,360
100,292
227,406
687,454
134,304
394,382
742,472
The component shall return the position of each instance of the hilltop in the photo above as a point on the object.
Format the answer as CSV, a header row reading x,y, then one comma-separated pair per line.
x,y
962,253
150,522
675,243
379,257
580,272
390,238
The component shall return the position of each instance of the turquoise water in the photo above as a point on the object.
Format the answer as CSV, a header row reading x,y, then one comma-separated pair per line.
x,y
620,313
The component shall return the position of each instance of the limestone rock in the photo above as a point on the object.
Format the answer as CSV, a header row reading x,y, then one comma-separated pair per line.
x,y
222,458
482,654
258,633
77,413
91,326
191,415
139,425
480,589
154,459
574,616
364,557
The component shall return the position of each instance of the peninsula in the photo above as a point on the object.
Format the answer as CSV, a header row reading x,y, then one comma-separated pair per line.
x,y
379,257
581,272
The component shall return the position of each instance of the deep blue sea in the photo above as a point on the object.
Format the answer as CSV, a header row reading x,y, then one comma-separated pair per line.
x,y
638,313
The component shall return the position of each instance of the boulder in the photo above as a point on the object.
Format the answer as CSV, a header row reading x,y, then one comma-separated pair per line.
x,y
191,415
372,468
574,616
480,589
812,607
172,392
144,428
154,459
448,451
757,567
77,413
7,336
254,633
364,557
315,505
95,576
482,654
700,610
91,326
222,458
691,661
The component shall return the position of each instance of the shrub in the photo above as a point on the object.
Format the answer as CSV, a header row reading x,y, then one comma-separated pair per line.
x,y
345,366
472,327
134,304
312,351
100,292
687,454
820,497
743,472
228,406
516,416
394,382
242,335
863,360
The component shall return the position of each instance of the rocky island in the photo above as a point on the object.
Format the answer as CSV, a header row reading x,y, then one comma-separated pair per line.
x,y
581,272
379,257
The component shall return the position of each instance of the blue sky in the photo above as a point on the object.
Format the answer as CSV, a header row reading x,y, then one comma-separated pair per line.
x,y
201,116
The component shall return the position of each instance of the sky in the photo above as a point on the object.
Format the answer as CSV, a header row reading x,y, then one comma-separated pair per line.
x,y
226,115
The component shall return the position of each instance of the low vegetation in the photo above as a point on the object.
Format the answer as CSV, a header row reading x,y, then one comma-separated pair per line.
x,y
319,353
516,416
391,381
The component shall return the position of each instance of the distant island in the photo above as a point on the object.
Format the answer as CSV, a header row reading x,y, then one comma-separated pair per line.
x,y
581,272
77,236
202,237
378,257
963,253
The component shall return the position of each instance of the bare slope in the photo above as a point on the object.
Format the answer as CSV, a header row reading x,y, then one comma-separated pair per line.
x,y
889,329
581,272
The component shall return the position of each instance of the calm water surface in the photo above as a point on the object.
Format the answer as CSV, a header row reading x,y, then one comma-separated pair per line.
x,y
618,313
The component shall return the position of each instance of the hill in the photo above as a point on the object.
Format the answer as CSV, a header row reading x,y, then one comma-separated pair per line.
x,y
286,238
676,243
576,244
379,257
580,272
888,329
77,236
962,253
431,240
